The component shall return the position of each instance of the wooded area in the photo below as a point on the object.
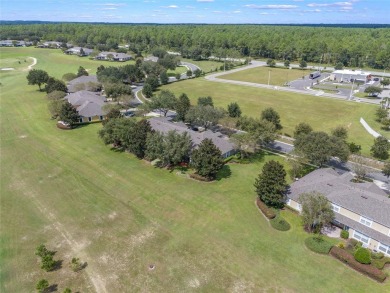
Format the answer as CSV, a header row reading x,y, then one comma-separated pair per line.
x,y
352,46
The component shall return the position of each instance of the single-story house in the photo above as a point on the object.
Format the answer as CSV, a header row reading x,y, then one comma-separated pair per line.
x,y
50,44
88,105
363,209
113,56
82,83
165,124
347,75
14,43
80,51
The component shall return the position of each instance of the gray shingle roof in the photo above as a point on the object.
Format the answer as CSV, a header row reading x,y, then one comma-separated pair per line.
x,y
81,80
87,104
365,199
164,125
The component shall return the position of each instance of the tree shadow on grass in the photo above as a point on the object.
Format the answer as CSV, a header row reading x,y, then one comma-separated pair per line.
x,y
52,288
57,265
224,173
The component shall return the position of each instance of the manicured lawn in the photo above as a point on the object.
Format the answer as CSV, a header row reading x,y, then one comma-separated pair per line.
x,y
119,214
322,113
278,76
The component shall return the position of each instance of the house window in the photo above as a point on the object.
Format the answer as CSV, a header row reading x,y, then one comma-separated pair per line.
x,y
101,117
361,237
299,207
289,202
335,208
365,221
81,120
384,248
89,119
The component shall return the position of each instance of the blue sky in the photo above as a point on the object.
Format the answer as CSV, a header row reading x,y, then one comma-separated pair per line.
x,y
199,11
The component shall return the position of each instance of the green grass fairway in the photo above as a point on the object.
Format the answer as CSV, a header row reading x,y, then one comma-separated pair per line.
x,y
278,76
119,214
322,113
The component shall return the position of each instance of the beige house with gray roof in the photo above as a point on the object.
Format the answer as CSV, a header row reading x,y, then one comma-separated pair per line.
x,y
164,125
89,105
363,209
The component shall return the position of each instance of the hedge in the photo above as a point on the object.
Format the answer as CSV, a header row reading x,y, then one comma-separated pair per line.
x,y
362,255
318,244
279,223
380,263
347,258
269,213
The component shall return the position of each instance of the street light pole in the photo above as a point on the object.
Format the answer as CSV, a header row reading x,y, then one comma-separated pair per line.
x,y
350,95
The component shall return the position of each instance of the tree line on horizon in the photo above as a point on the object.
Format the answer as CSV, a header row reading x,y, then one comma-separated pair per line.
x,y
351,46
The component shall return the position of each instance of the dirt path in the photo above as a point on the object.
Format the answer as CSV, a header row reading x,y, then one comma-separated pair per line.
x,y
95,278
32,65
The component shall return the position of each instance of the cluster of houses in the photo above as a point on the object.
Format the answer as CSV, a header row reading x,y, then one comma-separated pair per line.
x,y
363,209
14,43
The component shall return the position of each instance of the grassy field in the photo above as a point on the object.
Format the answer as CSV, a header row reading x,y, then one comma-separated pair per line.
x,y
322,113
279,76
119,214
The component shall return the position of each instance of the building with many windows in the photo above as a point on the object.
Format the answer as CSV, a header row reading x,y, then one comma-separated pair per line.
x,y
361,208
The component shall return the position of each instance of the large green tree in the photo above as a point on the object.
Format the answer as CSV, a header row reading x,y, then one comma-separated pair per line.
x,y
154,146
206,159
302,128
205,101
205,116
69,114
182,106
373,90
147,91
177,148
54,84
316,211
271,115
136,142
82,72
164,102
37,77
271,185
380,148
318,147
234,110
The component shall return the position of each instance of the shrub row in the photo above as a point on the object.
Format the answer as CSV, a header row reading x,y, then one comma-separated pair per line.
x,y
279,223
344,234
318,244
380,263
199,178
270,214
347,258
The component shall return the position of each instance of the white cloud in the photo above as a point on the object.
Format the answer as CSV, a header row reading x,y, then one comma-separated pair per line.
x,y
204,0
170,6
278,6
237,11
113,4
335,4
